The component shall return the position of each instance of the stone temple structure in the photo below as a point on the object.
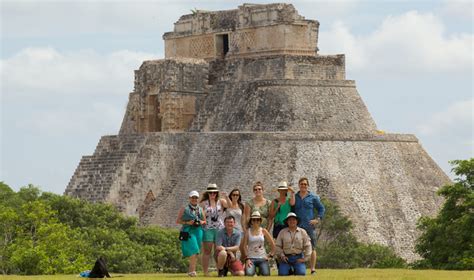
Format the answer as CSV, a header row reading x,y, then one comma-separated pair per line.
x,y
243,95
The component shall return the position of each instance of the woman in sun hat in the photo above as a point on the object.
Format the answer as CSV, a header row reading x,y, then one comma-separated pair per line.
x,y
192,217
281,206
214,209
254,247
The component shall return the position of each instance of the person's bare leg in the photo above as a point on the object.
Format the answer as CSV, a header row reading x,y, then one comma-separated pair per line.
x,y
312,263
221,258
205,257
192,263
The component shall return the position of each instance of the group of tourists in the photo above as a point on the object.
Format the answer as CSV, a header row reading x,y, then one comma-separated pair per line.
x,y
243,237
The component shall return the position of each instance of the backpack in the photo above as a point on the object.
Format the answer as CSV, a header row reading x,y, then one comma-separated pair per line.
x,y
100,269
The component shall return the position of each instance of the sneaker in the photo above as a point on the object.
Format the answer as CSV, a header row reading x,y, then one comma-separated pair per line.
x,y
313,272
192,274
221,273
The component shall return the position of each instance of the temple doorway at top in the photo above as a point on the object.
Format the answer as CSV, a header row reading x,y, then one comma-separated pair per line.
x,y
222,45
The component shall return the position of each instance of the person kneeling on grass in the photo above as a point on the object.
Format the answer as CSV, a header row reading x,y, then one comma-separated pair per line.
x,y
293,247
254,247
227,245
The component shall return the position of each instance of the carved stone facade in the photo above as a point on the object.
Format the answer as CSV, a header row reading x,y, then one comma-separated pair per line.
x,y
165,95
250,30
270,109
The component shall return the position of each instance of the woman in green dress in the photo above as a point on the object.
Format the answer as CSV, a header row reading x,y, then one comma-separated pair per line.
x,y
192,217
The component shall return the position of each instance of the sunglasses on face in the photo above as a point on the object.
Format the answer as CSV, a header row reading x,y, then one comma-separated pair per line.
x,y
213,193
256,220
303,184
257,189
236,194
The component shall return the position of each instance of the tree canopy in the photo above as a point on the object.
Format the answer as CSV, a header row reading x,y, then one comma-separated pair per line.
x,y
447,240
45,233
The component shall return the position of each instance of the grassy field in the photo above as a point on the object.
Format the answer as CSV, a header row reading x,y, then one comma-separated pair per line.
x,y
323,274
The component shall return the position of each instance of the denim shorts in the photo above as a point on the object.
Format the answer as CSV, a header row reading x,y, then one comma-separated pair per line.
x,y
312,235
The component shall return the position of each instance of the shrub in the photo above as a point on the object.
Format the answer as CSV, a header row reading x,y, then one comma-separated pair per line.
x,y
337,246
47,233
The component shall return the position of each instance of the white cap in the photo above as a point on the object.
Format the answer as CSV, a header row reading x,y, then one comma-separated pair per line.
x,y
291,214
193,193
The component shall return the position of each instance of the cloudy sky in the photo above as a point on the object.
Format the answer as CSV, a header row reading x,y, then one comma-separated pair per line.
x,y
67,68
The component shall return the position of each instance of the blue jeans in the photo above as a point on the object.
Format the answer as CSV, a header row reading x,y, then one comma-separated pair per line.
x,y
298,268
263,267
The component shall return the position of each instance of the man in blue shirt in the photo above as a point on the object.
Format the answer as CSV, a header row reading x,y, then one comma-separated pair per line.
x,y
306,203
227,245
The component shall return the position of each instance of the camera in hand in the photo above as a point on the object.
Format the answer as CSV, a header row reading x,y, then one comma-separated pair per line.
x,y
196,223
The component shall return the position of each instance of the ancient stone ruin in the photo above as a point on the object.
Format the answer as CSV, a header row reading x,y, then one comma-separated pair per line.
x,y
243,95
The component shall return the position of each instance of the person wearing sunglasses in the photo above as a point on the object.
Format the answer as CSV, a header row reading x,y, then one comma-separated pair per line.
x,y
214,210
191,217
305,204
258,203
235,207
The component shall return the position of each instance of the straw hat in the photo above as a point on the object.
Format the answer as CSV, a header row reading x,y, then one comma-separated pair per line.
x,y
255,215
212,188
283,186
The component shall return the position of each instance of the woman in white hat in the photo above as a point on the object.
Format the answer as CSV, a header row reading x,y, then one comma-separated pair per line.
x,y
192,217
254,247
281,206
214,209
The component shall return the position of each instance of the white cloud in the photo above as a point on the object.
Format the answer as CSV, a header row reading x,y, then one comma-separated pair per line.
x,y
405,45
43,72
449,134
127,16
84,119
456,120
324,9
23,19
458,8
47,92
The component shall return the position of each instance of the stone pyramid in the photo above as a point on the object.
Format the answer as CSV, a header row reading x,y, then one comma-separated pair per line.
x,y
243,95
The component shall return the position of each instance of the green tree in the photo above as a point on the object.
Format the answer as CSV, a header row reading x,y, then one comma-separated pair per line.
x,y
337,246
8,227
163,246
447,241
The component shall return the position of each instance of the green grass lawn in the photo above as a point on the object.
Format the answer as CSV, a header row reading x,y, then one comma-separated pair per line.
x,y
329,274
